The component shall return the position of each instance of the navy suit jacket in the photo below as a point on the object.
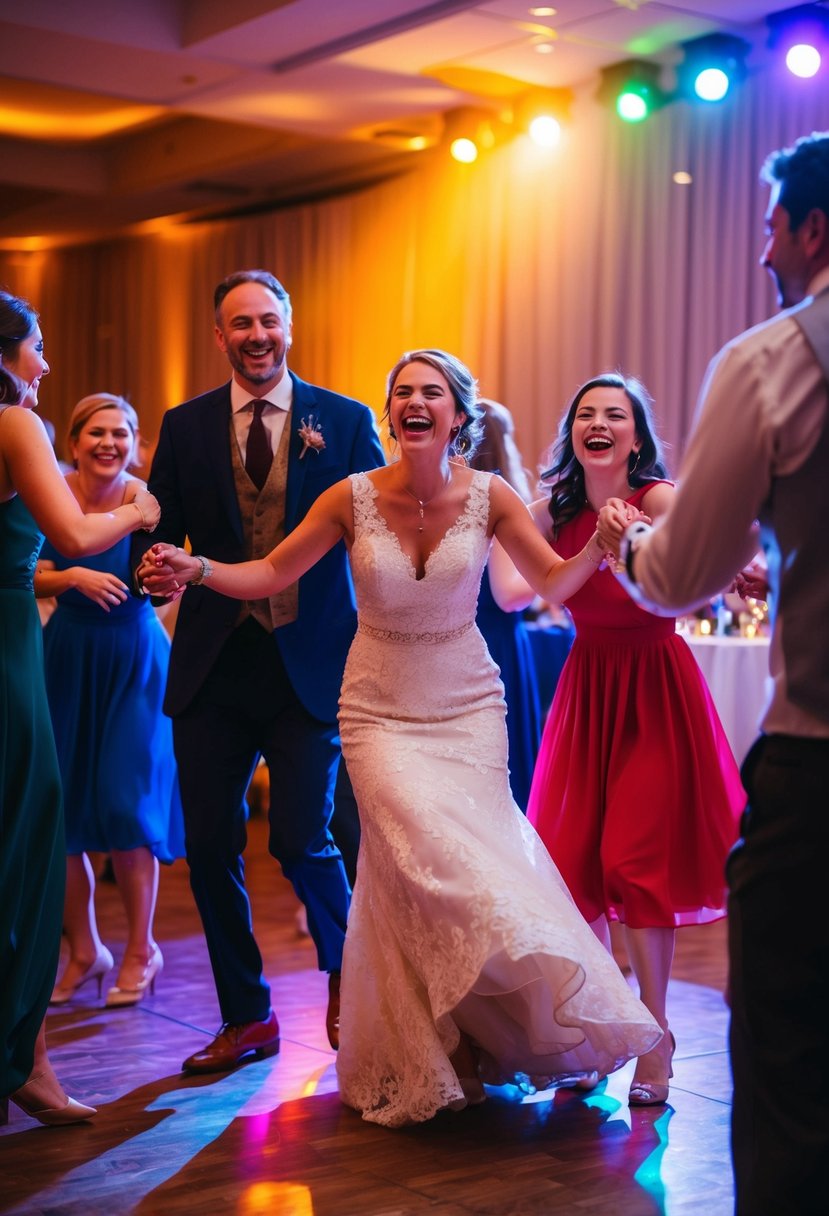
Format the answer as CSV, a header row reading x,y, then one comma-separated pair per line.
x,y
192,478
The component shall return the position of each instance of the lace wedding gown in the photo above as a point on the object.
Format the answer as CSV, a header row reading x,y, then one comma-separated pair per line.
x,y
460,920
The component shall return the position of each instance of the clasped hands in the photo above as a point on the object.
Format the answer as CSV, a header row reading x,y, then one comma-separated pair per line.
x,y
613,518
166,570
752,582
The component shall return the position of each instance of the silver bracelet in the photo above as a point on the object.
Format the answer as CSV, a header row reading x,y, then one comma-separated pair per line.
x,y
592,561
205,572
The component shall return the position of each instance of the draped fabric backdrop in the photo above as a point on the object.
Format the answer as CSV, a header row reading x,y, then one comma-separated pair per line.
x,y
539,269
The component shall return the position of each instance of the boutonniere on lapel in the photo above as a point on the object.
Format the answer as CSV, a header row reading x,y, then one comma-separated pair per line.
x,y
311,435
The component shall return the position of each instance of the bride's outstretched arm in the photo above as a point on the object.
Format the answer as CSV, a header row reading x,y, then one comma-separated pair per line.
x,y
540,569
328,521
511,591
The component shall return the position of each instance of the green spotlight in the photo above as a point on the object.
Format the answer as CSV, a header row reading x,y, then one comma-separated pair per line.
x,y
632,104
632,88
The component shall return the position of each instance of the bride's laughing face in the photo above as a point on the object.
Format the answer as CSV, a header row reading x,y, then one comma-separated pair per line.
x,y
423,411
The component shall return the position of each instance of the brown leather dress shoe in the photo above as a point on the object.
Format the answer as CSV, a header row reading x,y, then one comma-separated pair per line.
x,y
233,1043
332,1017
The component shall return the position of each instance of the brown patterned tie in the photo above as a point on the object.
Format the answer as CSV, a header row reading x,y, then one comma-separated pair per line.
x,y
258,456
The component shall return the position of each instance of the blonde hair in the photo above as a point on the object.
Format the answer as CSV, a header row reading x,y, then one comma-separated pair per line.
x,y
498,452
87,406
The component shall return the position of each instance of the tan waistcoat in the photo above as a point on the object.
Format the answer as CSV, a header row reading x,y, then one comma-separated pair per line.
x,y
263,520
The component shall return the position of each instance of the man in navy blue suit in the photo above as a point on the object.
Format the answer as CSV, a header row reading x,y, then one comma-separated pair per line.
x,y
236,470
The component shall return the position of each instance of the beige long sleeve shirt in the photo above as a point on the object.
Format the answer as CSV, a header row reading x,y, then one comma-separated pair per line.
x,y
761,411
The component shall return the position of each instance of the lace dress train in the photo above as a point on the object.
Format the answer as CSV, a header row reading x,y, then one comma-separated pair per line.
x,y
460,920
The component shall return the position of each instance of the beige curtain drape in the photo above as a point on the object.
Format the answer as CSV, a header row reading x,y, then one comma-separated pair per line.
x,y
538,269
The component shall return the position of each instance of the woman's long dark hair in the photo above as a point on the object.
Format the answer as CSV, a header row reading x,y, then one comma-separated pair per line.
x,y
17,321
566,475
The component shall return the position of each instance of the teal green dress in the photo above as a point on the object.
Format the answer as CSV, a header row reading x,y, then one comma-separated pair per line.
x,y
32,853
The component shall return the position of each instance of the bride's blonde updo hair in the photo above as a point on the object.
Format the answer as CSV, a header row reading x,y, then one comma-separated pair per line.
x,y
464,388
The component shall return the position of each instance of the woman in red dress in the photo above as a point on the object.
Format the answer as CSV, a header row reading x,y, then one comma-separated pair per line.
x,y
636,793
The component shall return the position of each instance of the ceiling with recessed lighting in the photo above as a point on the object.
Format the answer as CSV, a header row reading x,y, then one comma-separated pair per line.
x,y
114,112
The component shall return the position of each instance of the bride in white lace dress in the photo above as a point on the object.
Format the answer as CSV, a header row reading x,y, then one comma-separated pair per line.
x,y
465,958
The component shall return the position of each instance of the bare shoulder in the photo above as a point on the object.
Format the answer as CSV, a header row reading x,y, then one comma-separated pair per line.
x,y
506,506
501,493
22,431
21,420
337,499
658,499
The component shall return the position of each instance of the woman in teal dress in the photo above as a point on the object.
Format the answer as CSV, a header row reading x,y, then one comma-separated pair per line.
x,y
34,499
106,656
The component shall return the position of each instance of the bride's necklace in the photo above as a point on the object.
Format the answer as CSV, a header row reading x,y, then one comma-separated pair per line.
x,y
423,503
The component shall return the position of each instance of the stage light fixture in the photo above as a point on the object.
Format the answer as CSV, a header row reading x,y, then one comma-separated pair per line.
x,y
712,65
801,36
464,150
803,60
545,131
632,88
468,132
542,113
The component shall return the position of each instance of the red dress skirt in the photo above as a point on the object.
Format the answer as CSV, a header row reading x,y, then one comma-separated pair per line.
x,y
636,793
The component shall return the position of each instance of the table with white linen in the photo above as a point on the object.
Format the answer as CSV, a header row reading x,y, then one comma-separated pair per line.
x,y
736,670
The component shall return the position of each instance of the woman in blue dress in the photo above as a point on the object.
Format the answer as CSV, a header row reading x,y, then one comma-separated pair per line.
x,y
106,656
34,499
505,633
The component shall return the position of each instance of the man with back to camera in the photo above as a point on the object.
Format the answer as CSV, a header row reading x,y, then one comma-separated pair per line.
x,y
236,469
761,449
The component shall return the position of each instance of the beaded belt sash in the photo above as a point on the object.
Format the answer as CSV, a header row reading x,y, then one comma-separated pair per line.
x,y
394,635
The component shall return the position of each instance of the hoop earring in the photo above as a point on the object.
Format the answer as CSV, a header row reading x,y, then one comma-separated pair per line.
x,y
453,434
635,464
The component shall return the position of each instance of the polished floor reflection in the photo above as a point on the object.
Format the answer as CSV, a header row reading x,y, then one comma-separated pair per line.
x,y
273,1138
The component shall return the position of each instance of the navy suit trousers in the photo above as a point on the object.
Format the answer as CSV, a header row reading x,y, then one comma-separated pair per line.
x,y
247,708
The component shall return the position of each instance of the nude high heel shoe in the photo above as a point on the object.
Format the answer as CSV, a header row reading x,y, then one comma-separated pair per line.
x,y
33,1098
653,1093
117,997
102,966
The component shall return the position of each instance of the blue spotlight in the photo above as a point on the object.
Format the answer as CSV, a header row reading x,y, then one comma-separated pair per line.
x,y
801,36
712,65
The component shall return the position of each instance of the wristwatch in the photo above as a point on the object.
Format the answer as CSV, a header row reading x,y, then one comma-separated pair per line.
x,y
205,572
630,542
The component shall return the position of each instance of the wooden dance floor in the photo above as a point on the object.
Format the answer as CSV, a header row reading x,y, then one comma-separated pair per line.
x,y
272,1138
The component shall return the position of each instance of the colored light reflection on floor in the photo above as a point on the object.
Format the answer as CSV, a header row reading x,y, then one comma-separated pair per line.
x,y
276,1199
649,1174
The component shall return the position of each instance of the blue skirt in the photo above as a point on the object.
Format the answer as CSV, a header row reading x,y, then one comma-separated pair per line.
x,y
105,677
